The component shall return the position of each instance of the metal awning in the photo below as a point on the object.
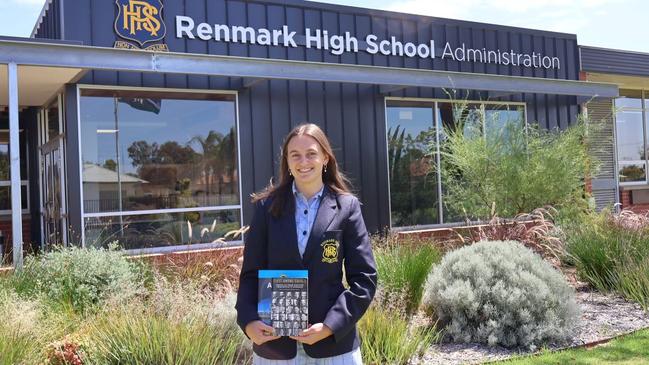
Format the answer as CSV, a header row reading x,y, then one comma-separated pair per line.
x,y
37,84
99,58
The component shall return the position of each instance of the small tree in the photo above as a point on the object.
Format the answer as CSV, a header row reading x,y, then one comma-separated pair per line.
x,y
514,169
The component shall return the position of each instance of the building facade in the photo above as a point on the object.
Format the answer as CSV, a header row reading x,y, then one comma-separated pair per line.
x,y
166,154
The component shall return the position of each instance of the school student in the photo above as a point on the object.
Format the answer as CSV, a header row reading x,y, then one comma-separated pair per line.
x,y
310,221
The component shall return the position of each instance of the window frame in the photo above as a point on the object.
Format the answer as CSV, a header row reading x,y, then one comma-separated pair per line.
x,y
643,110
23,182
434,102
161,249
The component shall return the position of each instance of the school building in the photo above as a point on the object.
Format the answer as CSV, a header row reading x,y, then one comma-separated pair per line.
x,y
150,122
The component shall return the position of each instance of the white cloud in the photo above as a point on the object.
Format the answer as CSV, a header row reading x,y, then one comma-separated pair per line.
x,y
39,3
577,16
555,15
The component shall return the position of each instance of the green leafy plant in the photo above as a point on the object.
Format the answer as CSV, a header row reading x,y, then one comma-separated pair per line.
x,y
15,347
21,332
403,265
513,170
611,253
388,339
124,314
133,338
80,278
500,293
179,323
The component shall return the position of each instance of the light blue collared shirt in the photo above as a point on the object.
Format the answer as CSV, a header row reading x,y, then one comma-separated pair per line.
x,y
305,213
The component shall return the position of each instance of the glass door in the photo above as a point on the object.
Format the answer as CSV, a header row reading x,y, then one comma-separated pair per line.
x,y
52,177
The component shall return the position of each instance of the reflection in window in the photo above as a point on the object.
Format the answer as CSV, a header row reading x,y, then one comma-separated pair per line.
x,y
631,133
413,146
632,172
629,99
5,162
413,183
5,198
469,114
161,229
5,172
499,120
53,127
154,151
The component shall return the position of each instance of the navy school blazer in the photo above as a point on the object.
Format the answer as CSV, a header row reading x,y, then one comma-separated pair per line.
x,y
271,243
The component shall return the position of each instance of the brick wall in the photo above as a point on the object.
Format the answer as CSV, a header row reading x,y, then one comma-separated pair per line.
x,y
5,227
627,203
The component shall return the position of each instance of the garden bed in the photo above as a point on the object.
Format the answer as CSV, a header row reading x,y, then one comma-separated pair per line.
x,y
604,316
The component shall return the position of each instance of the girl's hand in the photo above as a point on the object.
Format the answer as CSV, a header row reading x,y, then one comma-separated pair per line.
x,y
259,332
313,334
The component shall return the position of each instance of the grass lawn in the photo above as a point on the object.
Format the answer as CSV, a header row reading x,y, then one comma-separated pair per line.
x,y
631,349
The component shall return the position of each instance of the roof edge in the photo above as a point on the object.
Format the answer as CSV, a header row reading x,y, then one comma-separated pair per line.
x,y
39,21
617,50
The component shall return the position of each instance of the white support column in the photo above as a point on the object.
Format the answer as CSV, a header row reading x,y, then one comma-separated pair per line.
x,y
14,155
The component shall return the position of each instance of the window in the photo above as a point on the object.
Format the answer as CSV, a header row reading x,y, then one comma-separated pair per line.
x,y
413,184
631,119
5,174
416,188
159,168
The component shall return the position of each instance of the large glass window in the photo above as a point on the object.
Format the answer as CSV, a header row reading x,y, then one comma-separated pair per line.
x,y
413,183
416,189
159,168
632,135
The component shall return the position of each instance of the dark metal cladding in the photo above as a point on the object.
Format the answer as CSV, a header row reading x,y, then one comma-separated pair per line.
x,y
51,21
352,115
614,61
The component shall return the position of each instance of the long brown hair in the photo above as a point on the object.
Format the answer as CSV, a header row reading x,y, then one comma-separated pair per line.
x,y
333,178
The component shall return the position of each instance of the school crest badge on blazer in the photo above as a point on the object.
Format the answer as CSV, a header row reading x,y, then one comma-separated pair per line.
x,y
330,251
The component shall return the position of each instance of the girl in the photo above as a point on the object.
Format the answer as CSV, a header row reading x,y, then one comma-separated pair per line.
x,y
309,221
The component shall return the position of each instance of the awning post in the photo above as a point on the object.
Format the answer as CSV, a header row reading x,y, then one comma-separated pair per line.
x,y
14,156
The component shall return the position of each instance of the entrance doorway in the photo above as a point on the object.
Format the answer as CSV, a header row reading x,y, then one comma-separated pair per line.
x,y
52,176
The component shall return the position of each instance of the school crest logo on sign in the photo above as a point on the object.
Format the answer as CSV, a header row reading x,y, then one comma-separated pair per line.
x,y
140,22
330,251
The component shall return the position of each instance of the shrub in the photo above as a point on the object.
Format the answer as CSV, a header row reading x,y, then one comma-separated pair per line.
x,y
19,329
403,267
80,278
214,269
15,347
69,351
388,339
542,236
500,293
513,170
137,338
179,324
611,253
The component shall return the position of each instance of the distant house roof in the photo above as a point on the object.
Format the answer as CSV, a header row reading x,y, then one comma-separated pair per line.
x,y
96,174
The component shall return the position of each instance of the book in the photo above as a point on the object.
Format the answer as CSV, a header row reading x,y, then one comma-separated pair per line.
x,y
284,300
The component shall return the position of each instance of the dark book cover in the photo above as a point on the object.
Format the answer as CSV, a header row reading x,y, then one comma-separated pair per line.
x,y
284,300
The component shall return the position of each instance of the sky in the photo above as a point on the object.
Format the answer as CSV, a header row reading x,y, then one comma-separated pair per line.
x,y
618,24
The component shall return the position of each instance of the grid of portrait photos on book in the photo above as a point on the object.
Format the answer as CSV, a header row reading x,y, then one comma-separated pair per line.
x,y
289,311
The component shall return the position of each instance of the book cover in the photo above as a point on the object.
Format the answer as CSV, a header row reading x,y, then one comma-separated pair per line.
x,y
284,300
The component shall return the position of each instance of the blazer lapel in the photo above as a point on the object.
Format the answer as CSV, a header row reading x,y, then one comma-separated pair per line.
x,y
326,213
287,224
